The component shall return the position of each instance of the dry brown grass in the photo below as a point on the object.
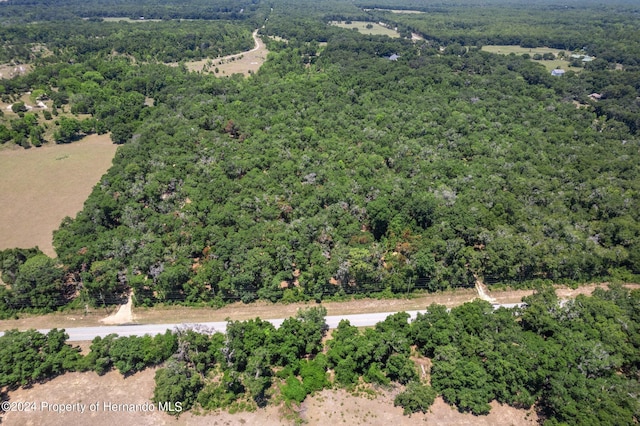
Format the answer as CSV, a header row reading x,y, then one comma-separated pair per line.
x,y
326,407
40,186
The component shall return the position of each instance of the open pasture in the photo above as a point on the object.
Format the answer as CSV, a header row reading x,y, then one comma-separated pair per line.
x,y
519,50
361,26
41,186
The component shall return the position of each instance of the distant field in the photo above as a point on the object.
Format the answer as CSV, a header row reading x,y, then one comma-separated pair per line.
x,y
115,19
361,26
397,10
40,186
518,50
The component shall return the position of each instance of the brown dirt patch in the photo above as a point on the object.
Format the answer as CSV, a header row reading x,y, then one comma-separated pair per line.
x,y
112,388
8,71
338,407
40,186
326,407
244,63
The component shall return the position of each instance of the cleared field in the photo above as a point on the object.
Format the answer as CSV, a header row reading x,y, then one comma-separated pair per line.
x,y
116,19
240,63
518,50
361,26
41,186
9,71
413,12
326,407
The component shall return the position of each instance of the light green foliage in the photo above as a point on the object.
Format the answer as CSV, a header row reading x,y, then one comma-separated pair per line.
x,y
416,397
293,390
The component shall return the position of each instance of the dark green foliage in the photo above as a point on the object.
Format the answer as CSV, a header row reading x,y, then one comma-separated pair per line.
x,y
416,397
177,384
38,284
222,394
245,338
129,354
333,171
33,282
99,359
29,357
267,215
555,356
199,349
299,336
12,259
380,355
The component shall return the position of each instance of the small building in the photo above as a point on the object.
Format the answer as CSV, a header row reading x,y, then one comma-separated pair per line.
x,y
393,57
557,72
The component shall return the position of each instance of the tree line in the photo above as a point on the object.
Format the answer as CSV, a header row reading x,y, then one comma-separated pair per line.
x,y
556,357
335,172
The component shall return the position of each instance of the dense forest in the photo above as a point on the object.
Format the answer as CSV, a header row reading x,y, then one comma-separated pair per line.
x,y
333,171
577,362
348,165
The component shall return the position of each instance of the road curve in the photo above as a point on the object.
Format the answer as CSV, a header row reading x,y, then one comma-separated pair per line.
x,y
79,334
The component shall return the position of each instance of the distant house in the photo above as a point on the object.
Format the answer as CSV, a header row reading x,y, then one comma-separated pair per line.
x,y
587,58
557,72
393,57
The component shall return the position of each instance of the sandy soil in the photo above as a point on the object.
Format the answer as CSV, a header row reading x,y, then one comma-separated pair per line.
x,y
124,314
338,407
40,186
327,407
240,63
9,71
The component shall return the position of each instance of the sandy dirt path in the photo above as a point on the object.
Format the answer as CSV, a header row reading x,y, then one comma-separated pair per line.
x,y
245,63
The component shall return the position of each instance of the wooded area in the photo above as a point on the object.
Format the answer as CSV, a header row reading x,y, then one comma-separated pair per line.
x,y
348,165
333,171
577,362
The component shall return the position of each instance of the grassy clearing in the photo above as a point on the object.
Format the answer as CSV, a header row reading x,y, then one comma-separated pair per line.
x,y
361,26
412,12
40,186
116,19
518,50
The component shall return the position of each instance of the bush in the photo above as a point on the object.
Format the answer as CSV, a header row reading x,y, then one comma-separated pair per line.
x,y
177,384
416,397
293,390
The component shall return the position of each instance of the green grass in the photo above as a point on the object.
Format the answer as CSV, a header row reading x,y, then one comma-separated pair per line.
x,y
361,26
116,19
518,50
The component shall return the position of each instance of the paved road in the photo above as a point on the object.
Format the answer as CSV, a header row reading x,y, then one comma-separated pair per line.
x,y
78,334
